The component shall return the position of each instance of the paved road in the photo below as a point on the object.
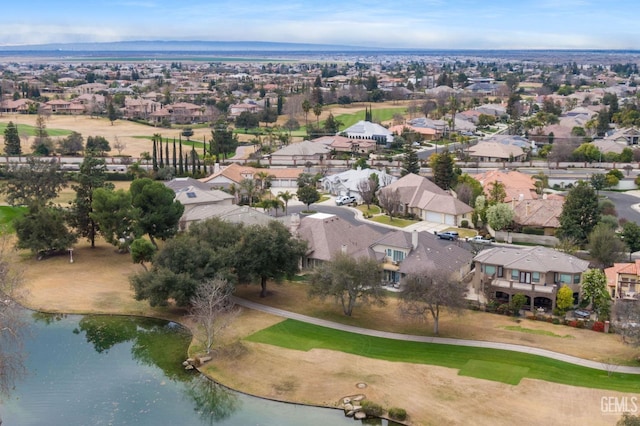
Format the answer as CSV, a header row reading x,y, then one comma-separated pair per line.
x,y
624,203
439,340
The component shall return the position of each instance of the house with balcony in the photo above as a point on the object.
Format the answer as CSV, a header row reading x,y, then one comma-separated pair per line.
x,y
623,280
403,253
536,272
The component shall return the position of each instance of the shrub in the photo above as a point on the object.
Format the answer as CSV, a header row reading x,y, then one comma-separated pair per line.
x,y
372,409
555,321
573,323
579,324
532,231
398,413
598,326
464,223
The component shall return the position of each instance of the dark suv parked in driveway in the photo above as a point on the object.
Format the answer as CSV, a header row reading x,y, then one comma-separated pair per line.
x,y
448,235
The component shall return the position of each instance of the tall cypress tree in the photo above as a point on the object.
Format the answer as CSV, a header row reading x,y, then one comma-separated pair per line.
x,y
12,140
161,156
175,160
181,167
166,153
204,146
193,160
155,154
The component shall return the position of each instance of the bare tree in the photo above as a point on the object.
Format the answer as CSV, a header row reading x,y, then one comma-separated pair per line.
x,y
626,320
12,325
119,146
212,310
429,293
367,189
389,200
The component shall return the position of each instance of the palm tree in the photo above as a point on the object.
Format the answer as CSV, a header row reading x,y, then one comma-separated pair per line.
x,y
317,110
235,191
264,178
285,196
248,187
306,107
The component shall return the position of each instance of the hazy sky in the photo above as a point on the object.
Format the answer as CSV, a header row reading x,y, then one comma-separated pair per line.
x,y
429,24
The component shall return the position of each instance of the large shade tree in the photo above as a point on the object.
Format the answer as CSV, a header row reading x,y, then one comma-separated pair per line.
x,y
267,253
37,181
580,213
92,175
159,212
349,281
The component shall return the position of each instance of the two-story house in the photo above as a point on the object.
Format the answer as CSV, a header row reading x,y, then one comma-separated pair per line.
x,y
403,253
623,280
536,272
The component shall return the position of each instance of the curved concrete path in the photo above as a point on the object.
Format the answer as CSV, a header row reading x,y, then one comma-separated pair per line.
x,y
440,340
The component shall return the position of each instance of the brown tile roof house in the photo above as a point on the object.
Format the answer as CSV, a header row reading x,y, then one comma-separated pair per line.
x,y
192,196
327,234
300,152
518,186
428,201
539,213
623,280
230,213
536,272
235,173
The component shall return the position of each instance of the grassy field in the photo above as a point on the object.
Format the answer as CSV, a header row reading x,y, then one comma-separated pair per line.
x,y
492,364
396,221
538,332
8,214
31,130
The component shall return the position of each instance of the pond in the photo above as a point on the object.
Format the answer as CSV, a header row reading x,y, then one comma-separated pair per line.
x,y
115,370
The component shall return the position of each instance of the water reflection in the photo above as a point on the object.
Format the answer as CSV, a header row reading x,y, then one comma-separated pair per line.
x,y
111,370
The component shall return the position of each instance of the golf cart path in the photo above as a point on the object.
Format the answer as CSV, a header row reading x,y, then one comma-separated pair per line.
x,y
439,340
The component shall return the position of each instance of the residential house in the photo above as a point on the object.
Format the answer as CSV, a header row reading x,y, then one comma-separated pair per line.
x,y
536,272
426,133
347,182
369,131
236,173
192,196
228,212
300,153
327,234
486,151
623,280
541,213
19,106
403,253
339,143
427,201
628,135
237,109
517,185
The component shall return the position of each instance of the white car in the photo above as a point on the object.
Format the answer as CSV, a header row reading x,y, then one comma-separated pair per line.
x,y
479,240
345,199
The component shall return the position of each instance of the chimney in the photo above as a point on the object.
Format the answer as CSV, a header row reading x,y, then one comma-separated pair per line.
x,y
527,210
414,239
343,249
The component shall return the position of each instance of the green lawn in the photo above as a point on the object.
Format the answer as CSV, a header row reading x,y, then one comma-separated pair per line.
x,y
400,223
373,209
8,214
538,332
170,141
31,130
483,363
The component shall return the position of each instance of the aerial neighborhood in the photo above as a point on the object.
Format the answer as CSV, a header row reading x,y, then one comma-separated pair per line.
x,y
427,189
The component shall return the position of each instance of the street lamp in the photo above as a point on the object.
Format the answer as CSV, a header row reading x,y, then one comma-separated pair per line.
x,y
70,255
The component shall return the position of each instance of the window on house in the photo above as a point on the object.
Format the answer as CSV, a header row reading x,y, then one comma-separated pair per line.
x,y
525,277
535,277
566,278
576,279
515,274
500,272
398,256
489,269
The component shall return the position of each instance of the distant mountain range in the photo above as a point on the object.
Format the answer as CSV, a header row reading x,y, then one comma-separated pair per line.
x,y
188,46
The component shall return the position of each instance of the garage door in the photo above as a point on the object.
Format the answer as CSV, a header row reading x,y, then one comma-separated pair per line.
x,y
450,220
434,217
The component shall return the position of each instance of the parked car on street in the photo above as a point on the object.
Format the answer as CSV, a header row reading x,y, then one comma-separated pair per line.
x,y
478,239
345,199
448,235
582,313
